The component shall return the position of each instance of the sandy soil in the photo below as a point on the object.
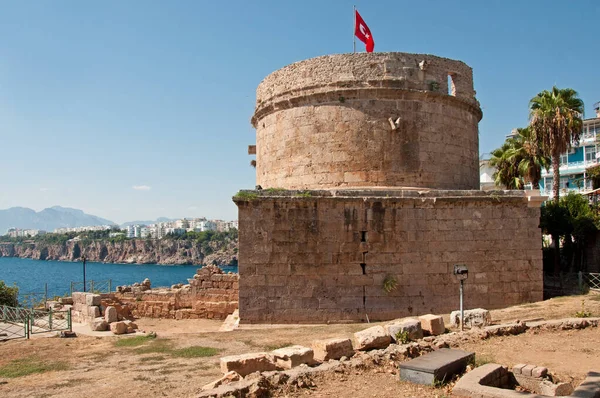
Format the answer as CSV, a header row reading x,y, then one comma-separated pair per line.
x,y
95,366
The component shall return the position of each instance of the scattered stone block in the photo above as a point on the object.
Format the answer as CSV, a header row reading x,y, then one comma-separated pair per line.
x,y
228,378
517,368
435,366
111,315
94,312
477,317
290,357
539,371
118,327
527,369
99,325
93,299
372,338
410,326
432,324
66,300
556,390
325,350
248,363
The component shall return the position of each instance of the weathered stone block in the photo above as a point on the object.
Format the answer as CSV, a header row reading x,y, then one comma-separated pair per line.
x,y
93,299
248,363
478,317
226,379
325,350
118,327
99,325
527,369
432,324
290,357
66,300
94,312
410,326
111,314
371,338
539,371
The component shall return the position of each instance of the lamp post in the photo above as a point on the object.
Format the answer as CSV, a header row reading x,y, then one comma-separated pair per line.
x,y
462,273
83,258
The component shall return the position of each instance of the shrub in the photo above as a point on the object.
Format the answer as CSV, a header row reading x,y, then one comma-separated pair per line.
x,y
9,295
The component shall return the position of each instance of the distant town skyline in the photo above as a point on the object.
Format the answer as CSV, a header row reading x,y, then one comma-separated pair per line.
x,y
140,109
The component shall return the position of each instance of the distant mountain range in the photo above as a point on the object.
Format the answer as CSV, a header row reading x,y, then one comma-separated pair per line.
x,y
47,219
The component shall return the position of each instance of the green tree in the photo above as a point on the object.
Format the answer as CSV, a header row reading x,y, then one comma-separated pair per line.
x,y
530,158
573,220
9,295
506,161
555,122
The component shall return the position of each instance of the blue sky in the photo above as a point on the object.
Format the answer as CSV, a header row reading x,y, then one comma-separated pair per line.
x,y
139,109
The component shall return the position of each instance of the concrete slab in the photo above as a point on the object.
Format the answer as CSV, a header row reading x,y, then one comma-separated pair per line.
x,y
436,366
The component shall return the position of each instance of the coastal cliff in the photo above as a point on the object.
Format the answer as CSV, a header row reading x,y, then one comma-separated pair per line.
x,y
133,251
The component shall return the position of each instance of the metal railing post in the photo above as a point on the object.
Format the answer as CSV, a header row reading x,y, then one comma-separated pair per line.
x,y
50,319
92,286
45,294
109,285
69,321
71,288
580,280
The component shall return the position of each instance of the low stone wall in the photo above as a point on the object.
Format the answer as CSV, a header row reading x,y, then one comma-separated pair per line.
x,y
211,294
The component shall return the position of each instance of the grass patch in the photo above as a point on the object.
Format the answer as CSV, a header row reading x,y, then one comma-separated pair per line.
x,y
30,365
481,360
165,347
246,195
195,352
133,341
275,190
305,194
277,346
156,347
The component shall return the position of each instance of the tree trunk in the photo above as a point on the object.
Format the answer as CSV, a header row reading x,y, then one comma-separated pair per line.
x,y
556,241
556,176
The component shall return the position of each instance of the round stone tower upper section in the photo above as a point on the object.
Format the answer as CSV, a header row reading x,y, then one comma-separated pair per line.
x,y
368,120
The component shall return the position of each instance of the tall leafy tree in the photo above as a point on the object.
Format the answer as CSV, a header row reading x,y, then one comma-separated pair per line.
x,y
555,123
506,161
530,158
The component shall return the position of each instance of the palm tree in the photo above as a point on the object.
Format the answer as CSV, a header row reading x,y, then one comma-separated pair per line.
x,y
529,155
555,123
506,162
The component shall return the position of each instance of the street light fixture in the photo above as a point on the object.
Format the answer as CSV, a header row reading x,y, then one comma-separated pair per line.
x,y
462,273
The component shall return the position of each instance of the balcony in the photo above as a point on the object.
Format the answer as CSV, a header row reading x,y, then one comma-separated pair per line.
x,y
571,167
547,191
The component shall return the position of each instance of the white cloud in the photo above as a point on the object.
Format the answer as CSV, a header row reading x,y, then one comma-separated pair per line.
x,y
45,189
141,187
193,208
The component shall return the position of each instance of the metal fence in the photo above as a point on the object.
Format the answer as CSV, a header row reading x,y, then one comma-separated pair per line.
x,y
13,322
570,283
34,299
92,286
19,322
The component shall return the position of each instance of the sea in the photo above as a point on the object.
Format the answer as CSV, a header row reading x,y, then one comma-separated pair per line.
x,y
32,276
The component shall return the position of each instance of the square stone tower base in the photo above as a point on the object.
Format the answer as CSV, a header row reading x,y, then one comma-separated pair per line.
x,y
343,256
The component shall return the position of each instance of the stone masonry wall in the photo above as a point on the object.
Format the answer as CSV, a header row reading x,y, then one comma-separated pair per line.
x,y
324,256
211,294
324,123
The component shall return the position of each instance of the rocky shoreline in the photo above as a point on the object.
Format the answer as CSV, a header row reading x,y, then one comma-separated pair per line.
x,y
134,251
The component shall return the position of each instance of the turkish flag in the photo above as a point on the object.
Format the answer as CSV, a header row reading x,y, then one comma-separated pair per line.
x,y
361,30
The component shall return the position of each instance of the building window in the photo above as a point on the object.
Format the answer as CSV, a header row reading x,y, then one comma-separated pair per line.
x,y
564,182
590,153
563,159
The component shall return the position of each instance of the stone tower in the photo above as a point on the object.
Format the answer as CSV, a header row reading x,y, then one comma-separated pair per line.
x,y
369,171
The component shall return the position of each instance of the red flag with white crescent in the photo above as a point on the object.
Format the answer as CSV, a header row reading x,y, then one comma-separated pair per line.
x,y
362,31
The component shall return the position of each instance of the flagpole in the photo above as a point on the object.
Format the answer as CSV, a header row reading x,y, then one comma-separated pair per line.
x,y
353,30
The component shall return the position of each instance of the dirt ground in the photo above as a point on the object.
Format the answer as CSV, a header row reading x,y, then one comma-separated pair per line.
x,y
96,366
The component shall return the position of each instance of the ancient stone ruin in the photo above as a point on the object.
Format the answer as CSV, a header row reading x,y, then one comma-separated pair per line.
x,y
368,194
